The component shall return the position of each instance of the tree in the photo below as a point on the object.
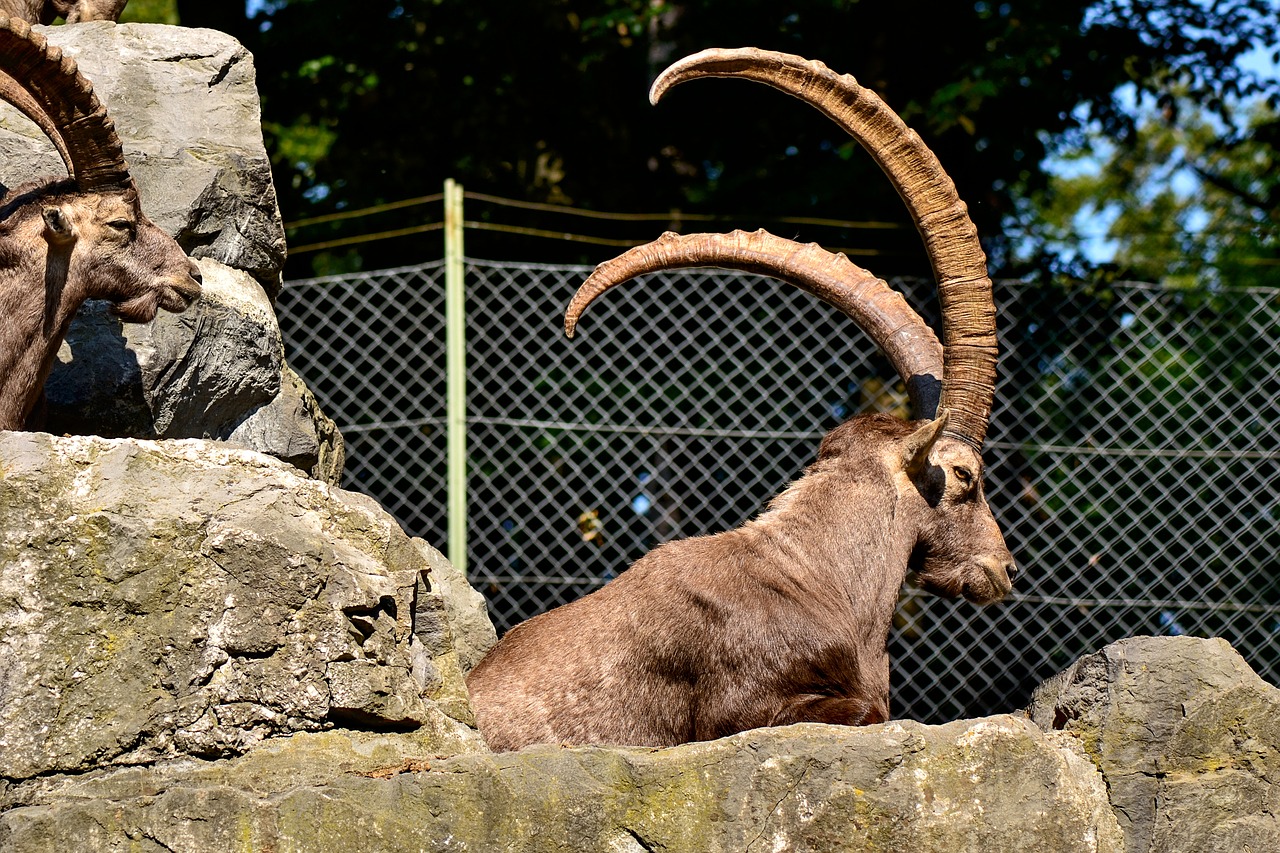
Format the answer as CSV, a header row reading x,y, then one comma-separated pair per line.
x,y
1187,202
151,12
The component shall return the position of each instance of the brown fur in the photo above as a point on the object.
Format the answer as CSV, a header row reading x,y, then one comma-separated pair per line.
x,y
782,620
60,246
73,11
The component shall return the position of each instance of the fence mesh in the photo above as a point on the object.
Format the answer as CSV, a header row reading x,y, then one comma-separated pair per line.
x,y
1131,455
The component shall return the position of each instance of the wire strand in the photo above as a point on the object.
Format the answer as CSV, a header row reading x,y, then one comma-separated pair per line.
x,y
365,211
366,238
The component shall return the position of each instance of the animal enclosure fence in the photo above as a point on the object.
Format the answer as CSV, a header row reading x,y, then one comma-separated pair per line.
x,y
1132,454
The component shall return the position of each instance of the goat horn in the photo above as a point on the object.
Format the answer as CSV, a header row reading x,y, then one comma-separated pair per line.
x,y
21,99
73,117
879,310
968,312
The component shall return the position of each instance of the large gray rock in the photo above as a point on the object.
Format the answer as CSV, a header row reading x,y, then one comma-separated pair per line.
x,y
1187,736
293,427
185,103
464,609
184,598
991,785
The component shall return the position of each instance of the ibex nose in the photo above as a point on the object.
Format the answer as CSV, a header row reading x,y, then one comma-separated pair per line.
x,y
1011,569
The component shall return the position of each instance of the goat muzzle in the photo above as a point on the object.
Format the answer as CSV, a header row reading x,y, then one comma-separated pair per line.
x,y
180,293
1000,572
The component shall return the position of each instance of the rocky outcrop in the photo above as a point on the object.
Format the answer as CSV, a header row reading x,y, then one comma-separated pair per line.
x,y
186,104
987,785
1187,737
203,650
215,371
160,600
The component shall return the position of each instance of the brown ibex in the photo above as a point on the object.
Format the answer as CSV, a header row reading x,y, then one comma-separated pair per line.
x,y
73,11
65,241
786,619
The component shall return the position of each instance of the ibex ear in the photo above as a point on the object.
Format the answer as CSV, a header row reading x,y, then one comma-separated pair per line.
x,y
915,447
57,228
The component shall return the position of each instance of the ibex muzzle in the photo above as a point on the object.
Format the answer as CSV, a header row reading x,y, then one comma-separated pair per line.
x,y
786,619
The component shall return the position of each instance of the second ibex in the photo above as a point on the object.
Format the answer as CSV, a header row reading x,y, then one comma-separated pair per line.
x,y
786,619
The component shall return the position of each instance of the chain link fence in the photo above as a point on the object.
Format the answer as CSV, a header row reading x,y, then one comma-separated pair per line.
x,y
1132,458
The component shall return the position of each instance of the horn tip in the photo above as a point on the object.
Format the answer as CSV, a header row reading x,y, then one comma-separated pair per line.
x,y
658,89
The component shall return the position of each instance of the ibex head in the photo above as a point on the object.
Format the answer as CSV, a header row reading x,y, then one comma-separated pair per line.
x,y
112,251
961,550
65,241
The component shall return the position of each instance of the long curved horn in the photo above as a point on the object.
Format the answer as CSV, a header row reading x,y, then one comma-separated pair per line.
x,y
20,98
879,310
73,117
968,312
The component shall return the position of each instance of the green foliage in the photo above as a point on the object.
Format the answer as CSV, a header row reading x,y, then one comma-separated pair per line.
x,y
1188,205
150,12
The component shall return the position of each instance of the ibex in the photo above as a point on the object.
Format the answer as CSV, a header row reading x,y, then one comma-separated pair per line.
x,y
786,619
65,241
73,11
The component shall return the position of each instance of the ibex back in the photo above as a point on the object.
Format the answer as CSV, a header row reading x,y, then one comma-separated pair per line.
x,y
786,619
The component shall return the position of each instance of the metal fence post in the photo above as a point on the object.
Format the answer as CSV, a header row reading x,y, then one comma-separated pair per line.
x,y
456,371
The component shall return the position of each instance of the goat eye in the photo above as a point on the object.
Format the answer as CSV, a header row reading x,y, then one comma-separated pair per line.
x,y
120,225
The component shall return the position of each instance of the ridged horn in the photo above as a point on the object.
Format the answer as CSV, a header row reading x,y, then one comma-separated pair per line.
x,y
62,103
878,310
959,264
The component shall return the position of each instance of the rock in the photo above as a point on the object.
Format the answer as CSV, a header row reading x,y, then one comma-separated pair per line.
x,y
152,380
214,371
466,610
185,598
185,104
293,427
1187,736
997,784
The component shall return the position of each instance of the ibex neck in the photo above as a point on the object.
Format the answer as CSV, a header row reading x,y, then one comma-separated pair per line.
x,y
32,327
845,535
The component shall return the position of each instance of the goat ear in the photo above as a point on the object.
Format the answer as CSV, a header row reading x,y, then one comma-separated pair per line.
x,y
915,447
57,228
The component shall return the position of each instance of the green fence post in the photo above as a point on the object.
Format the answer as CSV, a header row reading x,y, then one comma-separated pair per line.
x,y
455,307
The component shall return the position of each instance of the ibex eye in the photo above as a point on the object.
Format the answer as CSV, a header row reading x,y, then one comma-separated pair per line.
x,y
964,475
120,224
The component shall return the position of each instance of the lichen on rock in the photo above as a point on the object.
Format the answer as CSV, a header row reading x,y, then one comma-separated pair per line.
x,y
1186,735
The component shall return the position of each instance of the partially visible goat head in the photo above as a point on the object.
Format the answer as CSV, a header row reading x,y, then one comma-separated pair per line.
x,y
63,241
73,11
112,251
786,618
960,550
